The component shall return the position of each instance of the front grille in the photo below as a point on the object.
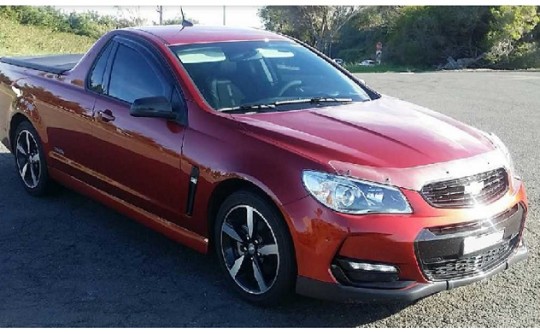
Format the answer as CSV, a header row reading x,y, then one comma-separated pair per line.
x,y
477,225
439,250
459,193
468,266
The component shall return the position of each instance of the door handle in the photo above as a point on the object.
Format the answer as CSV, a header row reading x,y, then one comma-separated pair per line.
x,y
105,116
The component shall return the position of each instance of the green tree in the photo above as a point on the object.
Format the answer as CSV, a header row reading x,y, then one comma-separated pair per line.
x,y
318,26
360,34
280,19
511,33
428,35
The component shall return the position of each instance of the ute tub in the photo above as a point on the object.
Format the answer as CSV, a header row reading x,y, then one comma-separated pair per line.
x,y
56,64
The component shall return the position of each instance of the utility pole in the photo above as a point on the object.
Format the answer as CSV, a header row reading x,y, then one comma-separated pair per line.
x,y
159,9
224,20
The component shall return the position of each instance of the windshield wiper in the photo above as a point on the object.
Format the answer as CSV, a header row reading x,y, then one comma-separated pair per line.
x,y
247,107
315,100
260,107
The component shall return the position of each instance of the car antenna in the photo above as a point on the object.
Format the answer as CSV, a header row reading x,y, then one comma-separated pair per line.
x,y
185,23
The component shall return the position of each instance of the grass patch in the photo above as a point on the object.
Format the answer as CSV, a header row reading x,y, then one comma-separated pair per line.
x,y
385,68
18,39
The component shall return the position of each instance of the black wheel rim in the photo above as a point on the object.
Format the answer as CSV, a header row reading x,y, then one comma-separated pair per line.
x,y
249,249
28,159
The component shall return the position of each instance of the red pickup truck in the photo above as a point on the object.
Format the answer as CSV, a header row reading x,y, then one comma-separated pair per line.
x,y
296,174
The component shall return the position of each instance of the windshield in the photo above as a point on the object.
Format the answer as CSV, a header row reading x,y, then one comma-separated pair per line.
x,y
261,75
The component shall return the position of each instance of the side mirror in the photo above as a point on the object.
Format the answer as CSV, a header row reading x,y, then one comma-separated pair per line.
x,y
159,107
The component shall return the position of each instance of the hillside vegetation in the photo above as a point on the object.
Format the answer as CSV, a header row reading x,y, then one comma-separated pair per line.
x,y
19,39
418,36
46,29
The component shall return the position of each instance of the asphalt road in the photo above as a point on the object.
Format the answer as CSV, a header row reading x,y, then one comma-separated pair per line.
x,y
69,261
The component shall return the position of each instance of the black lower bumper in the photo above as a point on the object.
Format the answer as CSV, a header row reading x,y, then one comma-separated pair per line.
x,y
337,292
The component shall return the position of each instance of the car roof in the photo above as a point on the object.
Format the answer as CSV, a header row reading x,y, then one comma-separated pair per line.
x,y
178,35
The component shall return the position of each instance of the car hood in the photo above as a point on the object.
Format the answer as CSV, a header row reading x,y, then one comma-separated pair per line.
x,y
386,132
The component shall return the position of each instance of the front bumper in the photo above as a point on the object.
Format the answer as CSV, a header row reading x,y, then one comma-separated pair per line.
x,y
337,292
322,236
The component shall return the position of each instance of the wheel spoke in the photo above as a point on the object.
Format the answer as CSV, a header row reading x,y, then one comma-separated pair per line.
x,y
20,149
24,169
229,230
28,142
236,266
258,275
249,219
269,250
34,178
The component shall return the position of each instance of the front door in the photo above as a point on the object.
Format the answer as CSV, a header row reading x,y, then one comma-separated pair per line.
x,y
139,157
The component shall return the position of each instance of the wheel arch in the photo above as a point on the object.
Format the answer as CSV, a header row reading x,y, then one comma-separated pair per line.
x,y
14,123
229,186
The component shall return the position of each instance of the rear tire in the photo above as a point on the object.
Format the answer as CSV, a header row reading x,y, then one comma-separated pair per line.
x,y
254,249
30,160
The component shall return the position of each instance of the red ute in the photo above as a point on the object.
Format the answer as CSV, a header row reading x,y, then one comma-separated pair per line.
x,y
294,172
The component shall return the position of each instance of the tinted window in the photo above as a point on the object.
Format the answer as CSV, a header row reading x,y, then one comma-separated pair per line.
x,y
96,77
133,77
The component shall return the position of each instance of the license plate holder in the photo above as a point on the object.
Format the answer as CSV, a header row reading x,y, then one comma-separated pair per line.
x,y
476,243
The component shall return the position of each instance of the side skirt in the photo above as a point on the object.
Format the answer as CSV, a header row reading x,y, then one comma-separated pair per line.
x,y
165,227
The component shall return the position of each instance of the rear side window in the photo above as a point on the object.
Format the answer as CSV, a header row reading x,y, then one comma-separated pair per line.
x,y
96,77
133,77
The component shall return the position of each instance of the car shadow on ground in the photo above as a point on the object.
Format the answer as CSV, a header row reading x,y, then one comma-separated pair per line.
x,y
66,260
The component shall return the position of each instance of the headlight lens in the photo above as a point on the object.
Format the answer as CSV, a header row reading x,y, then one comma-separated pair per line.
x,y
353,196
504,150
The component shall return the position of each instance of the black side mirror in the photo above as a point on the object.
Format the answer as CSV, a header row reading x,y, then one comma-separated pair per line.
x,y
158,106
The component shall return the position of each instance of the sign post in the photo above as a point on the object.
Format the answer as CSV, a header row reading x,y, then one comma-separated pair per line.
x,y
378,53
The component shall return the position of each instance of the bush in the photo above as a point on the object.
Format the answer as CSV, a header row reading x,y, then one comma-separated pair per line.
x,y
429,35
511,29
504,36
525,55
359,36
85,24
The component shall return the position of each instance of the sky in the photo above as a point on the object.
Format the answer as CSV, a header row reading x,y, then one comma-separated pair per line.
x,y
245,16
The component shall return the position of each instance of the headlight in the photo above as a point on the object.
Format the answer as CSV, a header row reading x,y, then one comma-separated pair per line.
x,y
504,150
353,196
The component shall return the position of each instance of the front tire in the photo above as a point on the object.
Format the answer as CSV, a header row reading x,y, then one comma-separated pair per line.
x,y
254,249
30,160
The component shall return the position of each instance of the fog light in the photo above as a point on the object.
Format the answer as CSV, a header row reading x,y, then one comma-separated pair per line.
x,y
354,272
384,268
